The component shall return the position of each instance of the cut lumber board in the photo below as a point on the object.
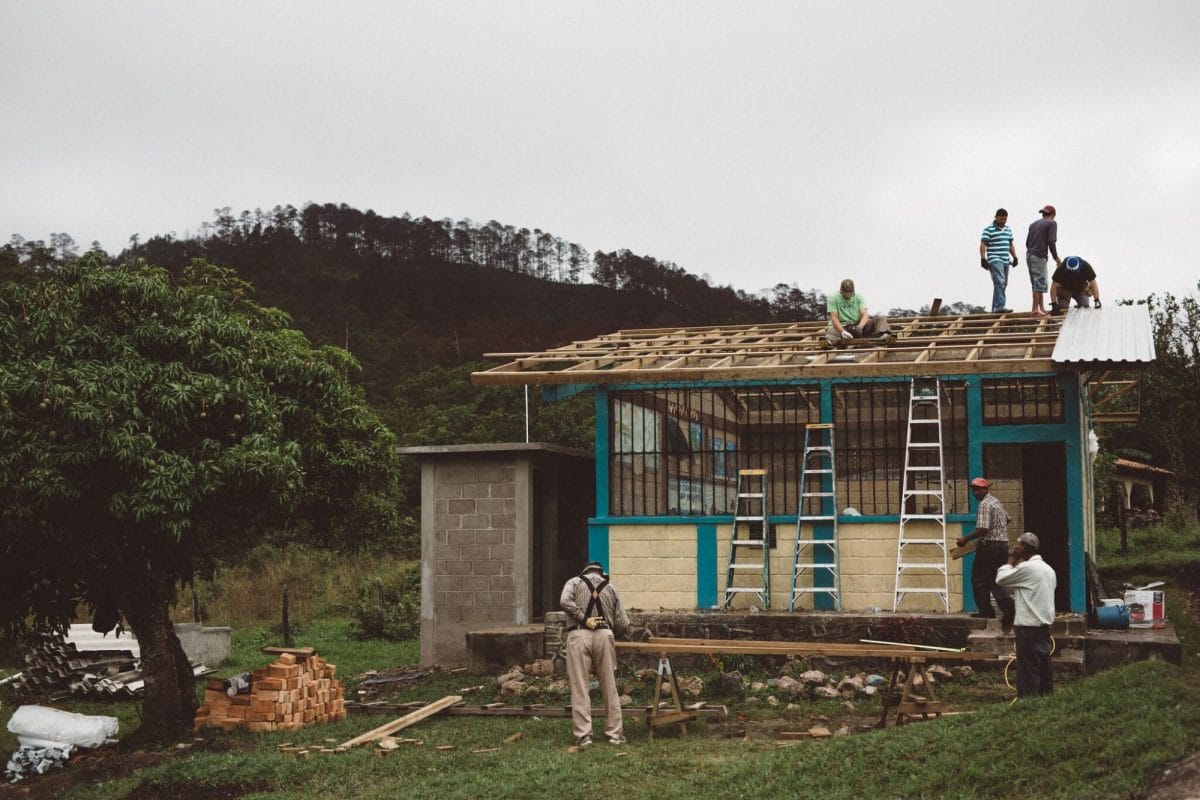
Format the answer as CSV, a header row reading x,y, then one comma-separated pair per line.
x,y
295,651
501,710
959,552
403,722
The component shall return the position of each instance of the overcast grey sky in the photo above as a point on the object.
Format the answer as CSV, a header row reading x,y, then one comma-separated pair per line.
x,y
756,143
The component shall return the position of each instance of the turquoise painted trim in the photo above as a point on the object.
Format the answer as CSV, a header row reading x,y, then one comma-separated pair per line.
x,y
1076,456
706,566
774,520
968,594
1006,434
603,457
598,544
612,521
555,392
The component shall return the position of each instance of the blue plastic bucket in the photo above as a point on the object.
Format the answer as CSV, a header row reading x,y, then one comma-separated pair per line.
x,y
1114,616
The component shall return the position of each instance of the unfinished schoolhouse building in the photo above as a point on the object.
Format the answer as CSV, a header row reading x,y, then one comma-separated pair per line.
x,y
740,466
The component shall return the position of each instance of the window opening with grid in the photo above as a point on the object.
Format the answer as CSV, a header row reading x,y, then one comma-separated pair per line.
x,y
677,452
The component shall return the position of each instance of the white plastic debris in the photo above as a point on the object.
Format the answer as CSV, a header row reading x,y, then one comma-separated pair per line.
x,y
48,727
32,760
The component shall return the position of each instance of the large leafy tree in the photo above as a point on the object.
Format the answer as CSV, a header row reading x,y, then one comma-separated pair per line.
x,y
151,424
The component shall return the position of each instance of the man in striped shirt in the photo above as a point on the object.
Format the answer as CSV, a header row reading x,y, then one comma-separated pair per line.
x,y
997,255
991,525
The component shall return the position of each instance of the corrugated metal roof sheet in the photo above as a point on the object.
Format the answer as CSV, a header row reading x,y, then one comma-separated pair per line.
x,y
1112,334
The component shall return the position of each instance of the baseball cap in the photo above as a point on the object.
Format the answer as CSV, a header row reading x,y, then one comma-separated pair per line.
x,y
1029,540
1048,209
983,482
1072,262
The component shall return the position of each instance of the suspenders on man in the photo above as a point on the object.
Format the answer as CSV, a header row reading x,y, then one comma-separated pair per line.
x,y
595,614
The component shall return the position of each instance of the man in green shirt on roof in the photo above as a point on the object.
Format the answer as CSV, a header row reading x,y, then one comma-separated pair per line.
x,y
848,318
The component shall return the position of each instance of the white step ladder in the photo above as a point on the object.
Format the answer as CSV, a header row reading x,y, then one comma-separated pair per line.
x,y
749,555
921,556
814,554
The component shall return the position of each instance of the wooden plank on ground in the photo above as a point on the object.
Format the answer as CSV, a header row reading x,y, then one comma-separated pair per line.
x,y
403,722
710,712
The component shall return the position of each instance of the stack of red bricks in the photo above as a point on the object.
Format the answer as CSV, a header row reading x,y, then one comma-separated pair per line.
x,y
286,695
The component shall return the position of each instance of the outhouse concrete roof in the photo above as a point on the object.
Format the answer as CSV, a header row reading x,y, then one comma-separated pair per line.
x,y
483,448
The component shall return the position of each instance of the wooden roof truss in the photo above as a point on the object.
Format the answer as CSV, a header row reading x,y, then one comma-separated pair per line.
x,y
944,345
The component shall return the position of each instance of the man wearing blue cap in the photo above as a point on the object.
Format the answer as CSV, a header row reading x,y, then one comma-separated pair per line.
x,y
1074,280
595,616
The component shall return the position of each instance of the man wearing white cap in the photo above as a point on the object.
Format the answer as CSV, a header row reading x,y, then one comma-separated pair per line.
x,y
594,616
1032,582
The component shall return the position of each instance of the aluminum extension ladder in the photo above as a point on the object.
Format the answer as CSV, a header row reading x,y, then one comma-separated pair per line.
x,y
924,555
821,554
750,513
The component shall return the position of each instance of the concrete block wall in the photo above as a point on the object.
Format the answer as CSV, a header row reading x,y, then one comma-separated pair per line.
x,y
868,568
469,564
654,566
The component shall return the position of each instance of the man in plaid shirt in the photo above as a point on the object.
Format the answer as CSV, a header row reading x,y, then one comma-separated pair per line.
x,y
991,525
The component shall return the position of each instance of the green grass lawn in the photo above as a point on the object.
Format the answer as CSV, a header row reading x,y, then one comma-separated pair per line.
x,y
1102,737
1105,736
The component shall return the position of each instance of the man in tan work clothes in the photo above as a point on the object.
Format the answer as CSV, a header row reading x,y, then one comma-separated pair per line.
x,y
594,616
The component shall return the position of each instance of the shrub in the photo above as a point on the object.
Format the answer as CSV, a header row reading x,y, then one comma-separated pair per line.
x,y
389,606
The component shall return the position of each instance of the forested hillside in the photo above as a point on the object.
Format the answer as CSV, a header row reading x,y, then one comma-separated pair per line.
x,y
419,301
405,294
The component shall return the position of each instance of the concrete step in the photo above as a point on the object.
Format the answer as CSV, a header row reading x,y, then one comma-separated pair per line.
x,y
1069,654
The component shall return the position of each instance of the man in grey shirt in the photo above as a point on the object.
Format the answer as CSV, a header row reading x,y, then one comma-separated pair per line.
x,y
1039,244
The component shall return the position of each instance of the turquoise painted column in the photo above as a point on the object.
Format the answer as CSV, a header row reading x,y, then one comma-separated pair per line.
x,y
1076,445
598,544
706,566
975,437
823,601
598,534
603,457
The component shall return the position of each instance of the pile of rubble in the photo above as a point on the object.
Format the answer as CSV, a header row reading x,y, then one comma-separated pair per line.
x,y
542,679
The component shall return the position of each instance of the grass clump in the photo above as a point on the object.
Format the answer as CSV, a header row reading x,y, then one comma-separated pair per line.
x,y
388,606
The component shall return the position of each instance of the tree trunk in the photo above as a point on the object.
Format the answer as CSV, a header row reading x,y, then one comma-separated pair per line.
x,y
169,697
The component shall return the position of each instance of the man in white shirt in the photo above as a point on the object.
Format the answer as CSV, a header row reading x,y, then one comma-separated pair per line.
x,y
1032,582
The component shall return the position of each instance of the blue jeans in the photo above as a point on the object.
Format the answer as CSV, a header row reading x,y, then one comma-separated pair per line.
x,y
999,270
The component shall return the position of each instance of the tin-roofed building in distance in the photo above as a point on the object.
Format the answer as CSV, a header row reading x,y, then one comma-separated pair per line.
x,y
681,412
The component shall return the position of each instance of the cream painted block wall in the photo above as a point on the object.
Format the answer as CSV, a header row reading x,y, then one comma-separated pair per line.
x,y
868,567
653,566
